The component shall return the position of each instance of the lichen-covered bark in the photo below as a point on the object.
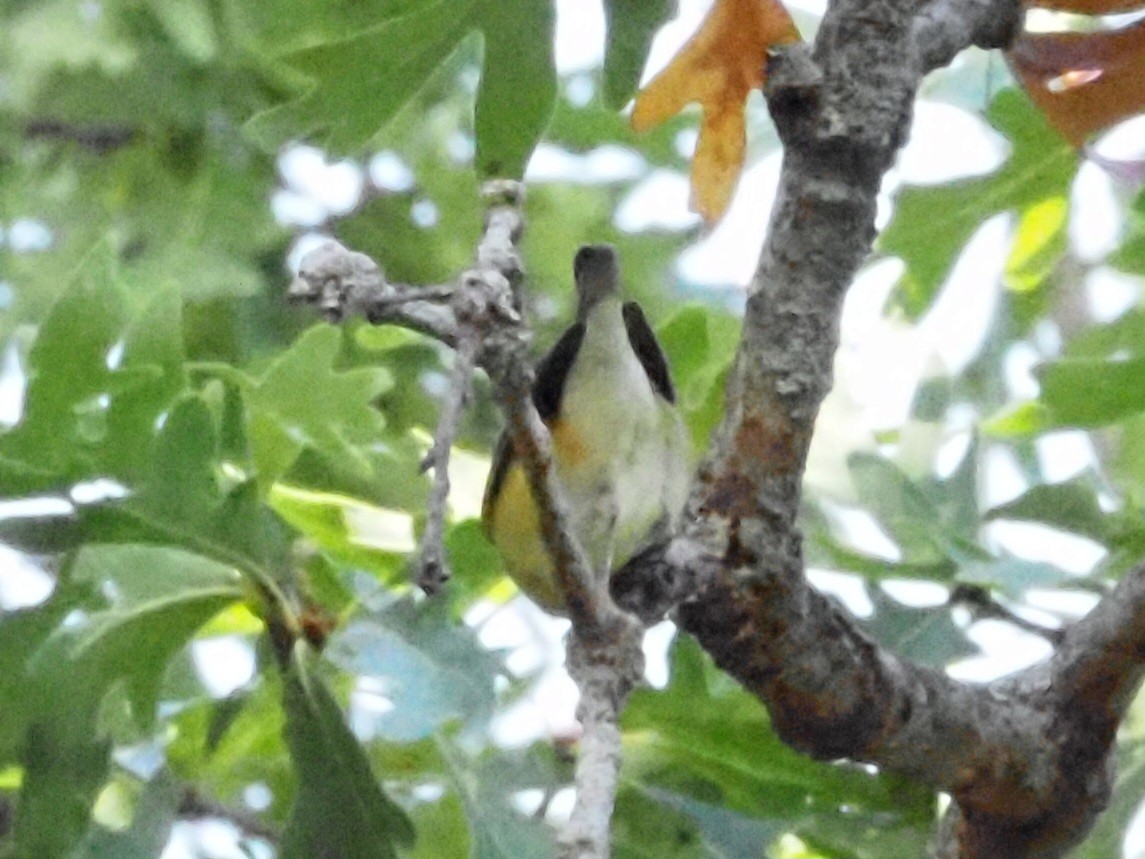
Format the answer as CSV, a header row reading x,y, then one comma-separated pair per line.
x,y
1027,760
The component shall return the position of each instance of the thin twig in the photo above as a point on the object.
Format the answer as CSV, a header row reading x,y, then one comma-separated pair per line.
x,y
341,283
980,601
195,806
432,567
98,138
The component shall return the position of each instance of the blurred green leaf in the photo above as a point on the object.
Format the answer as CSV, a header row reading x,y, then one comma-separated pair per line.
x,y
518,83
1039,243
925,635
150,828
496,831
340,810
1071,505
355,533
716,747
64,768
1087,392
1013,576
22,632
302,399
645,828
931,225
900,506
354,93
431,668
62,426
631,26
156,599
223,746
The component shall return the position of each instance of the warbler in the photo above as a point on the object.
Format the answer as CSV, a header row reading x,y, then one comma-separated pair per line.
x,y
619,444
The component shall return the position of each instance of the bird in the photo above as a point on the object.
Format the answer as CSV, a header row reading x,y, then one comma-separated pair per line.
x,y
620,447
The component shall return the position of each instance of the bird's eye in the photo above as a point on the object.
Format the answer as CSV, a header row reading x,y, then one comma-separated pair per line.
x,y
583,258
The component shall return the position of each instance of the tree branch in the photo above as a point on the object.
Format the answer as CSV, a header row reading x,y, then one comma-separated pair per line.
x,y
1027,766
432,568
196,806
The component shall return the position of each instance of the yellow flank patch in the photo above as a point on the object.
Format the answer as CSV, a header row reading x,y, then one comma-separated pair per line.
x,y
515,529
568,446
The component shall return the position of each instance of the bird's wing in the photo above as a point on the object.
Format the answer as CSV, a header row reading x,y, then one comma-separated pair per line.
x,y
548,387
553,372
647,349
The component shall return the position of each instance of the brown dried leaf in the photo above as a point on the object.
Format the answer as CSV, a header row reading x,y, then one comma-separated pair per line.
x,y
718,67
1083,82
1087,7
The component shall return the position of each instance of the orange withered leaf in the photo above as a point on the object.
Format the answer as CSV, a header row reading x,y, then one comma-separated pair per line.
x,y
1083,82
718,67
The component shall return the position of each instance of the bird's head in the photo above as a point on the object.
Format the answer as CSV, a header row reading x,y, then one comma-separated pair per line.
x,y
597,274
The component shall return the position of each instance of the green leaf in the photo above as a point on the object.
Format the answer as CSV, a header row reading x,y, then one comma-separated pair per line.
x,y
476,565
182,485
22,632
1071,505
1039,243
1020,421
700,343
278,27
350,72
359,82
1013,576
901,507
152,343
1086,392
157,598
302,399
340,811
518,84
931,225
709,741
631,26
150,827
431,668
496,831
353,532
67,369
723,832
927,635
224,746
64,769
645,828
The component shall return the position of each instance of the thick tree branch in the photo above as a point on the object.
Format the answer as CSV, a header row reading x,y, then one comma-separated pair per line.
x,y
1027,765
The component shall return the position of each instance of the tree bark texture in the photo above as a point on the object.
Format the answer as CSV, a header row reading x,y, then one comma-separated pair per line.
x,y
1027,759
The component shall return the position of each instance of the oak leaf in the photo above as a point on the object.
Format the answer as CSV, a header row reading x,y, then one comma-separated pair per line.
x,y
1083,82
717,67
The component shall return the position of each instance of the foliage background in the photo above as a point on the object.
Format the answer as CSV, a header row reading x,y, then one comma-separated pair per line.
x,y
188,459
